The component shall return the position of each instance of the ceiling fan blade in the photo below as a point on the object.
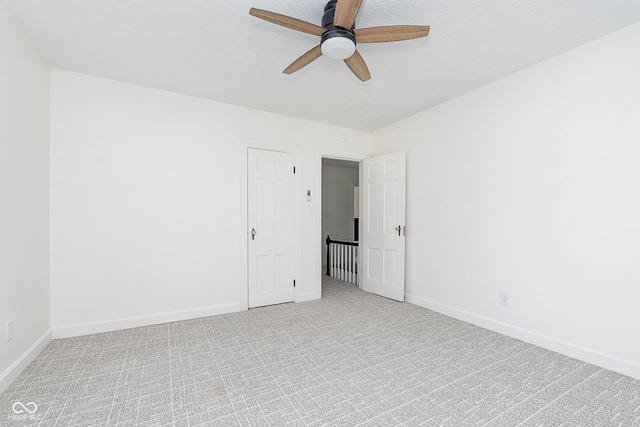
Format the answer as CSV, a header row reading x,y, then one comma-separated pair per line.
x,y
357,65
392,33
346,12
288,22
304,60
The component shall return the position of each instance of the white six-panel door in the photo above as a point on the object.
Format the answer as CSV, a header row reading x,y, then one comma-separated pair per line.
x,y
271,243
382,240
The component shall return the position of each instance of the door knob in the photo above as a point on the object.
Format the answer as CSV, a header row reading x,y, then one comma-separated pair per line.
x,y
399,230
253,234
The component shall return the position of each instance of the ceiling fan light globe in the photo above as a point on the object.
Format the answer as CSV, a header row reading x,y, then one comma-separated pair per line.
x,y
338,48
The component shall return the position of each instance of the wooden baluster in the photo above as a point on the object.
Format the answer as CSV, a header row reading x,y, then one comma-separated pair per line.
x,y
335,261
350,264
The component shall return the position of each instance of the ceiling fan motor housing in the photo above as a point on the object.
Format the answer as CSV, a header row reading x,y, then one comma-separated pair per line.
x,y
333,32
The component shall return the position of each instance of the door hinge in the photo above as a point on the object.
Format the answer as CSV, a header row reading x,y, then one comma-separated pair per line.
x,y
294,283
294,169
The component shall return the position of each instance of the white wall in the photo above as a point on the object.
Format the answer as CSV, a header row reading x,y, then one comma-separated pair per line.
x,y
531,186
146,212
525,186
24,198
337,202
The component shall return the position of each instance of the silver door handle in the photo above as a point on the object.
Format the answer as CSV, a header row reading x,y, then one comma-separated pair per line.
x,y
253,234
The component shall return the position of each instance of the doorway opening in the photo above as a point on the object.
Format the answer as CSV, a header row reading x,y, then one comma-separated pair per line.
x,y
340,220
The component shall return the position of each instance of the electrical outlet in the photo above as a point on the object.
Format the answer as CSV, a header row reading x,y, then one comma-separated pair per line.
x,y
8,330
504,298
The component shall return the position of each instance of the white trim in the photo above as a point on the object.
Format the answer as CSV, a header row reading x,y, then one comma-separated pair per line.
x,y
16,368
589,355
136,322
317,174
308,296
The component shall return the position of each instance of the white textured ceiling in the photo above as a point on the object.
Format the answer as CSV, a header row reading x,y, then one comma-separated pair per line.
x,y
214,49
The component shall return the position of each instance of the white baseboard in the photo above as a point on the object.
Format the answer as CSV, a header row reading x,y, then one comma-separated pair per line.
x,y
16,368
136,322
309,296
604,360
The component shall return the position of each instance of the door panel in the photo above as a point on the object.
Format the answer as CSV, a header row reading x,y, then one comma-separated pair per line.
x,y
270,216
383,240
390,209
373,262
373,223
389,266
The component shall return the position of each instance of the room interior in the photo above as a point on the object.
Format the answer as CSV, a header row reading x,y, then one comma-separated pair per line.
x,y
122,186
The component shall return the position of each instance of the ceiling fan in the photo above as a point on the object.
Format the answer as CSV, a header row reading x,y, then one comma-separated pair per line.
x,y
338,35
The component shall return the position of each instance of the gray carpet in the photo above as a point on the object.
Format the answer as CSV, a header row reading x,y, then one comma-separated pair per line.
x,y
349,359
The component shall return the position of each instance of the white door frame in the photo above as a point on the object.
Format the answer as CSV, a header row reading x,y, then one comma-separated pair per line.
x,y
243,225
320,240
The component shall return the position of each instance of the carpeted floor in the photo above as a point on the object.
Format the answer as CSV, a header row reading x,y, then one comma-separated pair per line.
x,y
349,359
